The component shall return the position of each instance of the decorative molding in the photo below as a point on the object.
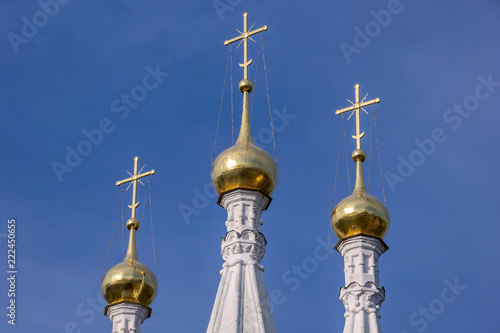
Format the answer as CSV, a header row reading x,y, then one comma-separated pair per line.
x,y
242,304
362,297
250,244
127,317
358,298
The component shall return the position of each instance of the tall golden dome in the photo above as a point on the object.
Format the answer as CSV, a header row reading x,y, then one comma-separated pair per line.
x,y
360,213
130,280
244,165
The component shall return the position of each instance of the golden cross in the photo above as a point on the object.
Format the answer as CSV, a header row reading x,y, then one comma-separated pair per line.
x,y
244,36
135,177
356,107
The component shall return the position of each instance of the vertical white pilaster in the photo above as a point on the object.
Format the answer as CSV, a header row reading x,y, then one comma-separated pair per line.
x,y
242,304
127,317
361,295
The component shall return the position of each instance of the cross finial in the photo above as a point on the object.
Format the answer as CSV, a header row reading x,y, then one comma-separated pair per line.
x,y
245,35
134,179
358,105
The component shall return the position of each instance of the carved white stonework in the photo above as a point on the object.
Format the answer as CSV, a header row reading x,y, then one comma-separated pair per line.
x,y
361,295
242,304
127,317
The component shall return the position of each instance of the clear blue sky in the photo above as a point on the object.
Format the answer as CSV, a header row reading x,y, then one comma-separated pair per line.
x,y
66,77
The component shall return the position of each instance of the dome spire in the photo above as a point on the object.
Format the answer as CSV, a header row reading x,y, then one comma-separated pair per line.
x,y
244,165
359,213
246,86
358,155
133,223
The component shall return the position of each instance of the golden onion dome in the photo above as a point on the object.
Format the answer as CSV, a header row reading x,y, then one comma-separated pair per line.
x,y
360,213
130,280
244,165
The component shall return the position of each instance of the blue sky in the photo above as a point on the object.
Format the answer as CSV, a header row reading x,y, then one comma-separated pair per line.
x,y
72,73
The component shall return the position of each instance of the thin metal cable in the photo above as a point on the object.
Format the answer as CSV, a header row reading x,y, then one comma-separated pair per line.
x,y
255,81
346,160
152,231
336,169
232,109
370,155
378,151
123,225
112,233
269,101
221,100
142,218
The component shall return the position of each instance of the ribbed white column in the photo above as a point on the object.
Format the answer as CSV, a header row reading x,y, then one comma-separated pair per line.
x,y
242,304
361,295
127,317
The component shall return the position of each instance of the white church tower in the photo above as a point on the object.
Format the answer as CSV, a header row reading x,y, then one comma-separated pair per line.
x,y
361,221
244,176
130,286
